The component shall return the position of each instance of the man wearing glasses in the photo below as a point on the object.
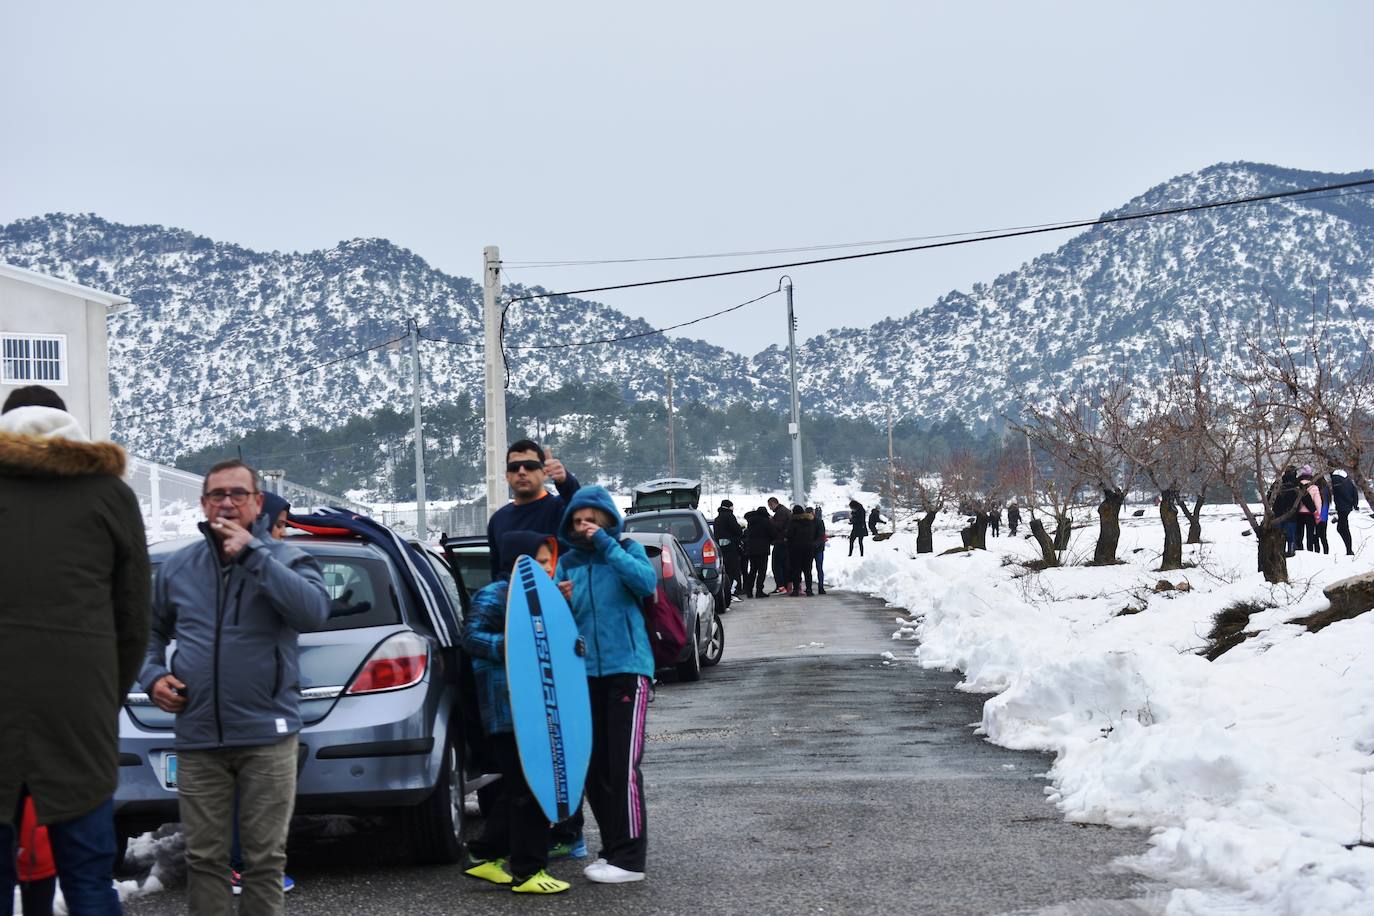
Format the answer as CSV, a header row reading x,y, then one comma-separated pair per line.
x,y
533,508
235,602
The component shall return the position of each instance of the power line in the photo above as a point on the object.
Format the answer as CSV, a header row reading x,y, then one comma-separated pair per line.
x,y
987,237
246,388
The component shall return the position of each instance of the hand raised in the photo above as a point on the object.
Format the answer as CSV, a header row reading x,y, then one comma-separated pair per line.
x,y
233,536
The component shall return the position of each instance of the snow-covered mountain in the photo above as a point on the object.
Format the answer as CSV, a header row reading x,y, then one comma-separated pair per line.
x,y
212,318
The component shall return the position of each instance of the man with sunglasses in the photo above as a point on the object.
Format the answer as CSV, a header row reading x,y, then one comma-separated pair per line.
x,y
235,602
533,508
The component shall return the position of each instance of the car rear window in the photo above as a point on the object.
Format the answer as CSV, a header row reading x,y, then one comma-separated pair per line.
x,y
686,528
360,593
474,564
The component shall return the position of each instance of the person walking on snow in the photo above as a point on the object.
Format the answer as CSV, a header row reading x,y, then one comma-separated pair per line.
x,y
607,581
875,518
995,520
74,583
1013,519
1346,499
1323,513
857,529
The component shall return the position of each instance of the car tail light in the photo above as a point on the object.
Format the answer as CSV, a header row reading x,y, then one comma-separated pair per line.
x,y
708,553
400,661
666,558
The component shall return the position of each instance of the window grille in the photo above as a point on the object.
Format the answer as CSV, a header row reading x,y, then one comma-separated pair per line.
x,y
33,359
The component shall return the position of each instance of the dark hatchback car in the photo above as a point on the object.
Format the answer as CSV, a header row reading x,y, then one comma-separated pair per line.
x,y
688,592
383,731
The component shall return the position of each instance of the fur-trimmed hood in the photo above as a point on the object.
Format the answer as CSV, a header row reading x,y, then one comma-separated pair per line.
x,y
40,456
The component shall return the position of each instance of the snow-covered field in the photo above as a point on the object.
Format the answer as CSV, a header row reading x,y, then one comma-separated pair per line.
x,y
1250,770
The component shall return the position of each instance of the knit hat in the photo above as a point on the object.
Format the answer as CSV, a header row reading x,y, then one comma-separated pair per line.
x,y
1305,471
726,504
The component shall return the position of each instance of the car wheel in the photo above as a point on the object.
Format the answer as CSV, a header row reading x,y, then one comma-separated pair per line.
x,y
690,670
715,646
435,826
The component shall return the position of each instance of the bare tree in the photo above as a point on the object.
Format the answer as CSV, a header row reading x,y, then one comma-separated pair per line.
x,y
967,481
926,494
1077,432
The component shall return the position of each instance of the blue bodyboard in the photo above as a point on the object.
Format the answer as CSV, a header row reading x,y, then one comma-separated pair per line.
x,y
548,690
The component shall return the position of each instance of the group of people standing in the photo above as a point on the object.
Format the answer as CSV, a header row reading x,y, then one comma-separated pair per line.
x,y
1303,501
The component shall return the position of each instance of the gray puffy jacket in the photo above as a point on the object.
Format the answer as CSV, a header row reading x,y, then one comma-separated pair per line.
x,y
236,638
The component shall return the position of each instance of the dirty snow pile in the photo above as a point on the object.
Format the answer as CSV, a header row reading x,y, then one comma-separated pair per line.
x,y
1250,771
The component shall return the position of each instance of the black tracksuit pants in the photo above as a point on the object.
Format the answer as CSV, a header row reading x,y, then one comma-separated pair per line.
x,y
799,567
781,578
615,786
755,575
515,825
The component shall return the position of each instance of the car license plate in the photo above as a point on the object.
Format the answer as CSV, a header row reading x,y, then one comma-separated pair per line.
x,y
169,770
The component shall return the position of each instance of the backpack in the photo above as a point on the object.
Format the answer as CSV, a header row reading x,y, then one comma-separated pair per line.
x,y
663,622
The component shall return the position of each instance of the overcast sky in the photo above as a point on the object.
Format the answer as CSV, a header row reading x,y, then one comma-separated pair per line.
x,y
614,130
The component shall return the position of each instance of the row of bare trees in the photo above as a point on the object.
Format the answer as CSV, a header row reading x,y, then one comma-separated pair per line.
x,y
1213,426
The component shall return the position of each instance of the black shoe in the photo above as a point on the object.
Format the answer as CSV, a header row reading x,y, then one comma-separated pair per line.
x,y
808,594
760,595
820,591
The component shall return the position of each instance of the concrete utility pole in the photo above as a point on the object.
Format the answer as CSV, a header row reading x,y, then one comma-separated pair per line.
x,y
495,380
891,482
421,526
794,428
672,437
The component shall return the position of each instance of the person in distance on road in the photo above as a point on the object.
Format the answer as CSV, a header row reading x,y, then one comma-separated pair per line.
x,y
514,846
758,540
818,522
730,541
73,622
235,602
801,549
608,581
782,524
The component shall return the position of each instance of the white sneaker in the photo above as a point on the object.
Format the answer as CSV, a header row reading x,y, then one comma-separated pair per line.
x,y
587,871
606,873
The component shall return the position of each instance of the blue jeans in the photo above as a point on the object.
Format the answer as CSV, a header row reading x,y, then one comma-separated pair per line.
x,y
85,852
820,569
1290,533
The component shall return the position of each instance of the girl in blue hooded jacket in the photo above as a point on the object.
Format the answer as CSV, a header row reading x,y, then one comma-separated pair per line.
x,y
606,581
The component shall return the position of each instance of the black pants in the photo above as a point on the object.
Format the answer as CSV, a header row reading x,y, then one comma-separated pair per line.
x,y
733,576
780,576
615,786
515,826
1319,537
1307,531
36,897
799,565
994,524
1011,528
756,574
860,539
1343,529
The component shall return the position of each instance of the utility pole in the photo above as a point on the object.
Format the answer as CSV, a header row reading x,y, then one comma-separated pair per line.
x,y
891,482
794,428
495,380
421,528
672,437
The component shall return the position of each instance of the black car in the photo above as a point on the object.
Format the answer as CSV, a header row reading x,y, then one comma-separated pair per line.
x,y
689,593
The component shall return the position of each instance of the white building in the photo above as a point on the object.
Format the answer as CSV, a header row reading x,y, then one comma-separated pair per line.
x,y
52,333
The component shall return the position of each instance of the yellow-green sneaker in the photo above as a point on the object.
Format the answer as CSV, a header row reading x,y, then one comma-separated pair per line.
x,y
493,870
541,882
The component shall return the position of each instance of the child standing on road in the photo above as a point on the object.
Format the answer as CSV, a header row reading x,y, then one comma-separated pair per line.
x,y
607,580
514,846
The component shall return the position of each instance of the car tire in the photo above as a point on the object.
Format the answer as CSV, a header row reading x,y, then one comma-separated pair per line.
x,y
715,646
690,670
434,827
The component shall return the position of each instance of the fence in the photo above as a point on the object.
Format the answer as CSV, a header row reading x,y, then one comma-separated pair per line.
x,y
464,518
170,499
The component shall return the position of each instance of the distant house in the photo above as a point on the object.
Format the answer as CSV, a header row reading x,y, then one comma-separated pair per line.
x,y
52,333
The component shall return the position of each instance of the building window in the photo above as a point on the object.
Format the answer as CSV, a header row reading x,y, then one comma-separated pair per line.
x,y
33,359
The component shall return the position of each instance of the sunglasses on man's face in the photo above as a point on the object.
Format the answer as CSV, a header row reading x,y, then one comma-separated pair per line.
x,y
515,467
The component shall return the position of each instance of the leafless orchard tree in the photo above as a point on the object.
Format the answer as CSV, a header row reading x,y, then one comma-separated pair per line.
x,y
1077,432
926,494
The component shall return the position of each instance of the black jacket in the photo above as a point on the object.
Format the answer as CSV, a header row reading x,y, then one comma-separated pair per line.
x,y
758,535
728,532
1287,496
801,536
857,528
874,519
782,522
1343,494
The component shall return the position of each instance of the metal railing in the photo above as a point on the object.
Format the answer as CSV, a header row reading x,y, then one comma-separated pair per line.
x,y
465,518
170,498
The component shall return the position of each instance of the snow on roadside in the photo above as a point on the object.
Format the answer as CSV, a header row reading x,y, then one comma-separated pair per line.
x,y
1250,771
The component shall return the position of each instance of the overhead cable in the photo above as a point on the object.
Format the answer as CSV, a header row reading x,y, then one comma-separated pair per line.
x,y
948,243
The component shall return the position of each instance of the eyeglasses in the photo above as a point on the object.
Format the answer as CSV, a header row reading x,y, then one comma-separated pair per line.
x,y
238,496
529,464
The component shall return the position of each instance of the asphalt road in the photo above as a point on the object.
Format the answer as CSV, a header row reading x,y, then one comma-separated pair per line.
x,y
802,775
